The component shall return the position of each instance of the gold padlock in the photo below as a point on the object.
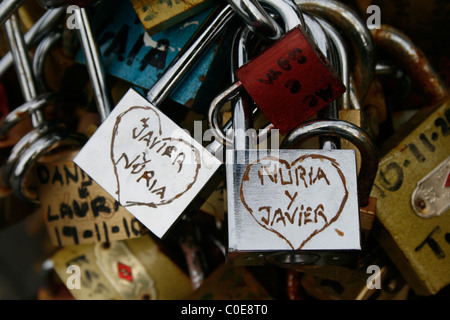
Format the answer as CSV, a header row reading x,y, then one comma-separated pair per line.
x,y
134,269
76,209
157,15
416,239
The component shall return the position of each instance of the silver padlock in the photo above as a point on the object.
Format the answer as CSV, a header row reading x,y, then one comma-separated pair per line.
x,y
277,213
138,153
299,207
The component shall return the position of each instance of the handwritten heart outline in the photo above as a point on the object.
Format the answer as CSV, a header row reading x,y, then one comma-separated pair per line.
x,y
112,156
334,163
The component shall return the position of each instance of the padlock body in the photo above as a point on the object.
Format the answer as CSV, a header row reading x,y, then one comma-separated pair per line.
x,y
133,269
417,244
291,81
148,163
291,201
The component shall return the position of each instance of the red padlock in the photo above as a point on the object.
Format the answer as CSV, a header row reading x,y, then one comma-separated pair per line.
x,y
291,80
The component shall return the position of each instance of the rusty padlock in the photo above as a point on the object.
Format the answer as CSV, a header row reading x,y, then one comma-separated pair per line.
x,y
413,177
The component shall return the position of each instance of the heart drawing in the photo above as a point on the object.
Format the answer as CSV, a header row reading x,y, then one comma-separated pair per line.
x,y
297,199
153,167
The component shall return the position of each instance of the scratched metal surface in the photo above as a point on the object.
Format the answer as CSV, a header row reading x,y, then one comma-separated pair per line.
x,y
256,188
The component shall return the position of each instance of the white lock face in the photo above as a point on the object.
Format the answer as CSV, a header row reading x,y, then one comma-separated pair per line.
x,y
292,200
147,162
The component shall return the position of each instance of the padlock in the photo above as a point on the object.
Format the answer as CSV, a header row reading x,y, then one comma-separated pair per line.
x,y
167,201
76,210
131,54
291,17
249,230
415,238
159,15
275,78
272,232
134,269
139,173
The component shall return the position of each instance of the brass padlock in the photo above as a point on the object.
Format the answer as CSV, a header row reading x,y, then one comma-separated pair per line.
x,y
412,178
76,209
134,269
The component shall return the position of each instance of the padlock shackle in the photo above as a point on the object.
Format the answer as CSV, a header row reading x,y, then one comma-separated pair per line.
x,y
412,60
350,132
8,8
40,55
45,23
355,30
342,66
22,63
183,62
96,70
257,19
25,110
44,144
241,105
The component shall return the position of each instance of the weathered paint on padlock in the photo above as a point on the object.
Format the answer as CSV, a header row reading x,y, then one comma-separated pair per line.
x,y
283,201
419,247
291,80
76,209
129,54
157,15
230,283
147,163
134,269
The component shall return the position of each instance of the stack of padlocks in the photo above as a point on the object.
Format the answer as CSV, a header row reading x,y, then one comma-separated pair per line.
x,y
240,149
